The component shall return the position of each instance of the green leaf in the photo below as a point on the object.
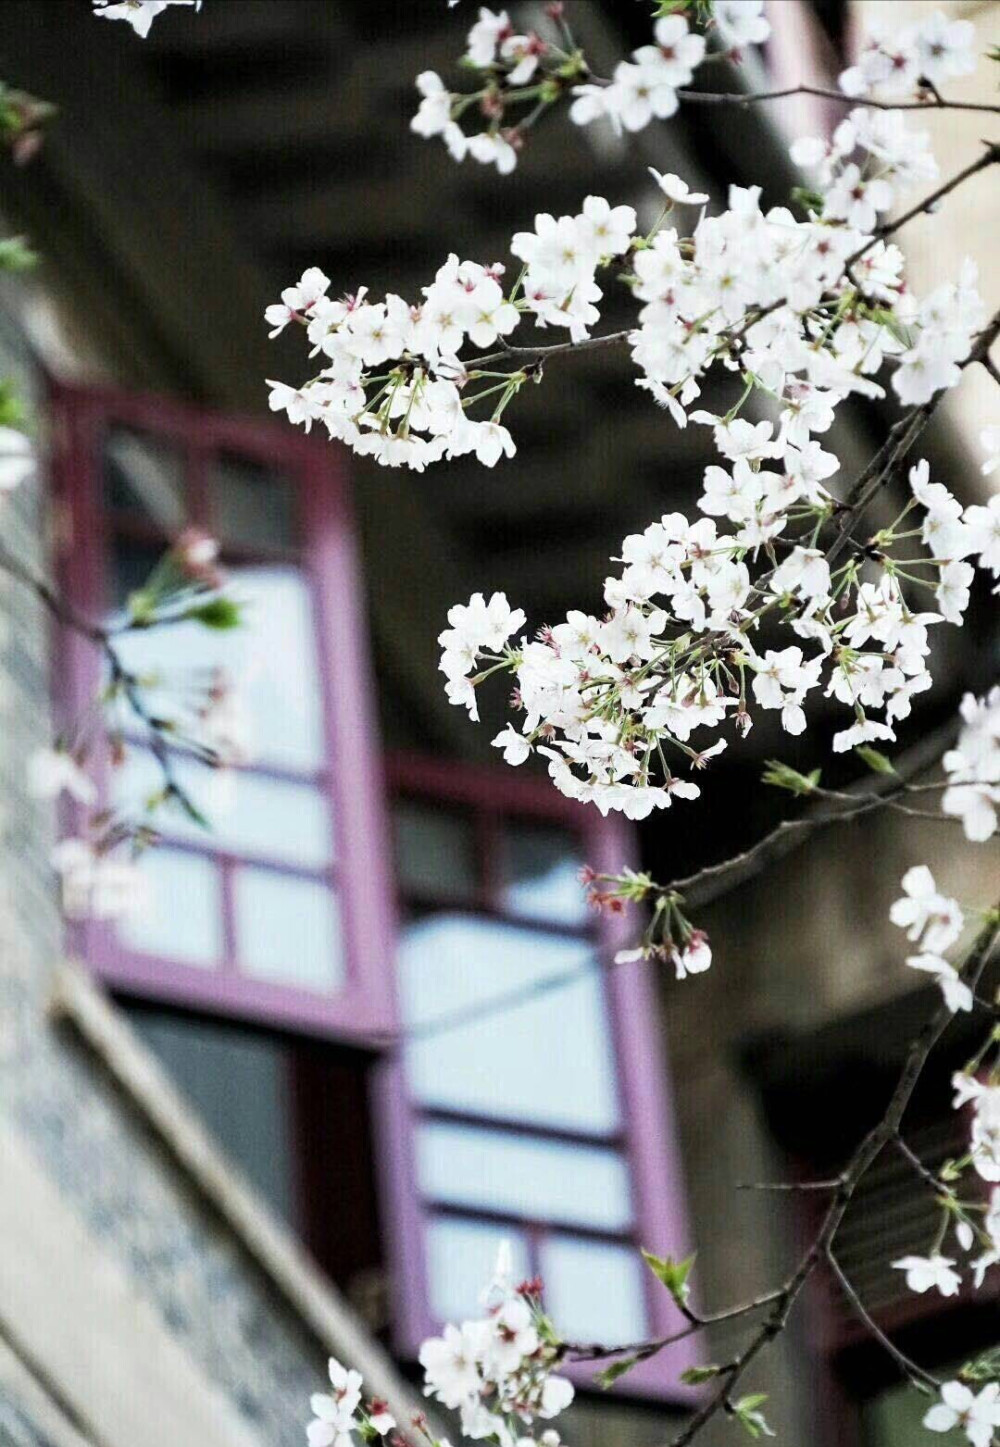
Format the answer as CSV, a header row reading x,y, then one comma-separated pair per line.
x,y
673,1274
141,607
611,1373
877,762
782,776
808,199
11,406
749,1417
219,613
695,1375
16,254
190,808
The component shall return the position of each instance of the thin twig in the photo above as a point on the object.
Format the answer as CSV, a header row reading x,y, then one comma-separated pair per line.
x,y
739,98
863,1158
911,1157
917,1374
830,1185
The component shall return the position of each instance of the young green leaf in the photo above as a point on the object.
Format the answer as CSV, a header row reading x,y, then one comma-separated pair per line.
x,y
219,613
673,1274
782,776
751,1419
696,1375
610,1374
877,762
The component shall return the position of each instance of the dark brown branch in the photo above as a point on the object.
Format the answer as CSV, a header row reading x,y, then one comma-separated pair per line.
x,y
713,880
791,1186
739,98
990,157
907,1366
56,605
863,1158
884,466
913,1160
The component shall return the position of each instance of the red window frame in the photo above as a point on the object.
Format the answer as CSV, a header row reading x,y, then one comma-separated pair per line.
x,y
363,1009
647,1138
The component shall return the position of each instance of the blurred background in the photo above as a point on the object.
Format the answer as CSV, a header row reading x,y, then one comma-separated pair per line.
x,y
367,1028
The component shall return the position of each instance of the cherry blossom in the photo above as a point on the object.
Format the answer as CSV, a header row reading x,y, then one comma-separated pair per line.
x,y
924,1273
52,772
973,767
926,914
17,458
140,14
957,995
976,1414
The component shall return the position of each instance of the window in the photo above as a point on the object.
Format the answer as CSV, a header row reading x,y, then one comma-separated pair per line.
x,y
527,1101
477,1074
284,900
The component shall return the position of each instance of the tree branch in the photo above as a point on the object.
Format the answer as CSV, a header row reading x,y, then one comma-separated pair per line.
x,y
907,1366
863,1158
739,98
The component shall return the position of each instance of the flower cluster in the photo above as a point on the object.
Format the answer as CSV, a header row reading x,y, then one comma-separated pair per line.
x,y
140,14
338,1414
806,311
392,386
973,766
899,61
933,922
516,70
512,70
603,699
646,86
498,1371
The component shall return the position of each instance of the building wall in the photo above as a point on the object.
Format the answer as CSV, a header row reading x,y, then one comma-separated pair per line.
x,y
60,1111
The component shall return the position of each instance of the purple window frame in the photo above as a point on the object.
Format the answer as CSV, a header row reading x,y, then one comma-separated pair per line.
x,y
363,1009
647,1140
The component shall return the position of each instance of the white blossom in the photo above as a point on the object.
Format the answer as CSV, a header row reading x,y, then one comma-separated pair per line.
x,y
926,1273
140,14
976,1414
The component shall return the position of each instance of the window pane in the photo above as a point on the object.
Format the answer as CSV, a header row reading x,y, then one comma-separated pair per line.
x,y
538,1179
288,930
239,1084
461,1256
249,813
144,477
251,505
272,659
546,1058
183,919
541,872
594,1289
435,850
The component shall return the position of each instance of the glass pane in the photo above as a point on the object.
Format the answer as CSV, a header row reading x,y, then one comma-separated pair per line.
x,y
183,919
435,850
538,1179
461,1256
145,477
249,813
239,1084
288,930
541,871
271,659
251,505
545,1057
594,1289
